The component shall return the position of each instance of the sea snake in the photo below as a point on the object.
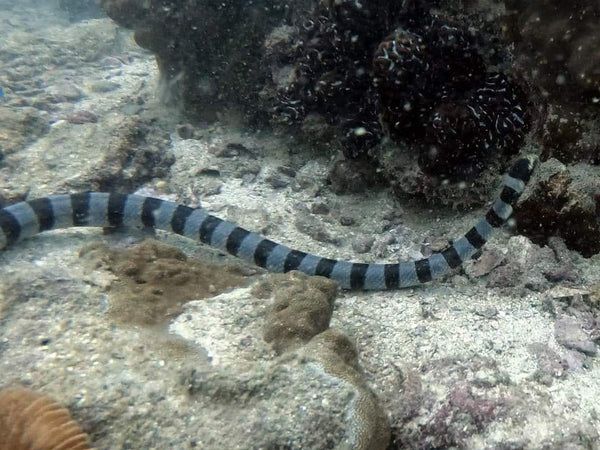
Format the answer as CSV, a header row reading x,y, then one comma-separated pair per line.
x,y
99,209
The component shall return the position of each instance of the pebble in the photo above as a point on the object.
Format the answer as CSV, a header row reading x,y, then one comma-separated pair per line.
x,y
233,149
312,227
82,116
319,208
64,92
103,86
347,221
286,170
363,244
185,131
277,180
490,259
569,333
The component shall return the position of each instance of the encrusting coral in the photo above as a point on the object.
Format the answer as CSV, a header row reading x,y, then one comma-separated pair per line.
x,y
33,421
154,280
298,323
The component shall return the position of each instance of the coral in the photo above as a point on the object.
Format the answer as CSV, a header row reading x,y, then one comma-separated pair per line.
x,y
557,52
300,314
299,320
558,46
336,356
331,65
565,202
312,395
302,308
154,280
208,52
33,421
570,134
426,80
435,90
328,66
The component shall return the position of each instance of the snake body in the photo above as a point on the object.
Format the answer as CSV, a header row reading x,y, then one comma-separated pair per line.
x,y
99,209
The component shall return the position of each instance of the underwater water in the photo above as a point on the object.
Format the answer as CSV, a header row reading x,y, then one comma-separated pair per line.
x,y
299,225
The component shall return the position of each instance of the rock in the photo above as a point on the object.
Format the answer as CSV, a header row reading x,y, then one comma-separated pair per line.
x,y
347,221
569,333
301,309
82,116
489,260
563,202
104,86
320,208
363,244
505,277
313,227
64,92
314,395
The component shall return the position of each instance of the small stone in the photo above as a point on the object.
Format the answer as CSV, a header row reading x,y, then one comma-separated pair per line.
x,y
569,333
573,361
233,149
209,172
489,260
312,227
212,187
488,312
564,273
64,92
185,131
104,86
277,180
287,171
81,117
347,221
504,277
319,208
363,244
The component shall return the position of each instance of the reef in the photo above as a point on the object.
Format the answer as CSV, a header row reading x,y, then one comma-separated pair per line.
x,y
343,73
450,417
426,85
558,46
565,202
557,52
208,52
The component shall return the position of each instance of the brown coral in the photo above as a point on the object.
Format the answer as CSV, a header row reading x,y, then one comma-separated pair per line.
x,y
154,280
33,421
302,308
